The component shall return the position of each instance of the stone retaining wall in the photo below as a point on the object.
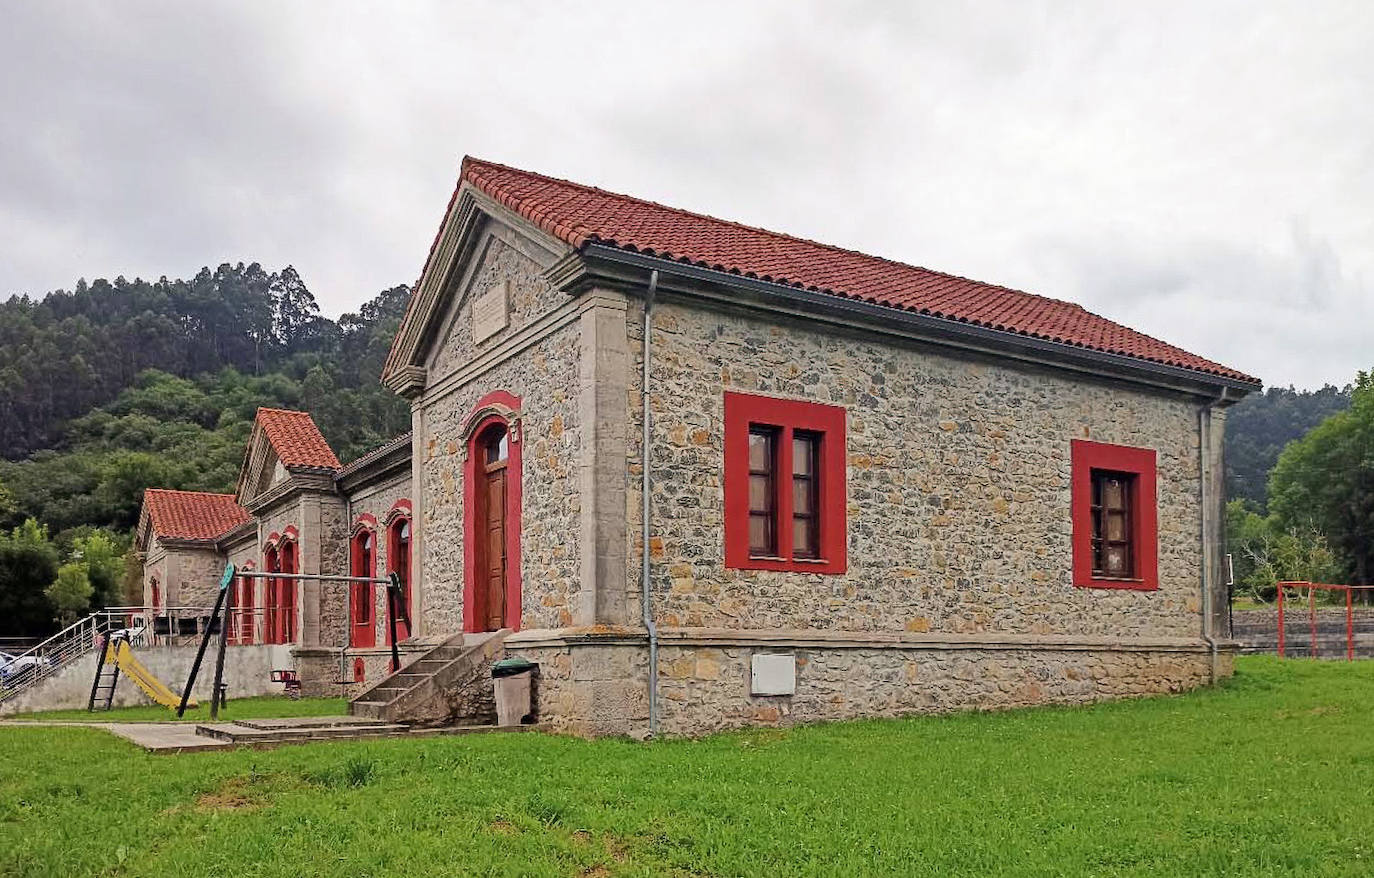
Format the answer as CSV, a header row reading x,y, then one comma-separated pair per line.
x,y
247,670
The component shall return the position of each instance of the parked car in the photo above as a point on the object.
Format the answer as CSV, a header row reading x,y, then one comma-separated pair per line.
x,y
11,665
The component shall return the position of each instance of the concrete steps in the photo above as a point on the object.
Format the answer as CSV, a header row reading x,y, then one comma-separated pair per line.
x,y
450,685
267,733
283,731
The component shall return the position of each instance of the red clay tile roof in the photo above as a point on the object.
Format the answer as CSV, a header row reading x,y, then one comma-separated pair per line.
x,y
296,439
580,215
192,515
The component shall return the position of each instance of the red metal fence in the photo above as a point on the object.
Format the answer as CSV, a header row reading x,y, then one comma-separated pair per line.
x,y
1312,589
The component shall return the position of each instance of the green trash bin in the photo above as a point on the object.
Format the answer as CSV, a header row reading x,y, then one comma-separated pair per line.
x,y
513,680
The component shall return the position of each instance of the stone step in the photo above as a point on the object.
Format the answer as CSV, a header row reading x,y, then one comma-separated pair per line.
x,y
304,722
237,735
370,709
240,734
450,684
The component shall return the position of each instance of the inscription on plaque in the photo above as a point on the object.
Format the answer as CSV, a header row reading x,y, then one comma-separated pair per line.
x,y
491,312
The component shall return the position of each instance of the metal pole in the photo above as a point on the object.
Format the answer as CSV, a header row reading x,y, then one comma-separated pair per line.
x,y
228,594
104,641
1349,625
1312,612
1282,654
391,601
313,577
200,655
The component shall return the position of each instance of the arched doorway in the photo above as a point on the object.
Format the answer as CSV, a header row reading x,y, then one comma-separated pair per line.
x,y
492,447
493,466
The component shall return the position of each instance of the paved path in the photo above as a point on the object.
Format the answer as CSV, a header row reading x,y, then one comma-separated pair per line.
x,y
168,738
153,737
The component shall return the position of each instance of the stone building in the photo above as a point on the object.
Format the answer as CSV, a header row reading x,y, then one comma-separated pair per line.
x,y
297,510
872,489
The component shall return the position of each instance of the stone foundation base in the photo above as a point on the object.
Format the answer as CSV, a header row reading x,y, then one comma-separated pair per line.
x,y
594,683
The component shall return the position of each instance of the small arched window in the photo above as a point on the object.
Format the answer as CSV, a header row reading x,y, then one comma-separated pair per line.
x,y
362,595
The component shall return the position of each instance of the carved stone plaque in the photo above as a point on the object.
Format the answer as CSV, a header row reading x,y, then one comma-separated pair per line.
x,y
491,312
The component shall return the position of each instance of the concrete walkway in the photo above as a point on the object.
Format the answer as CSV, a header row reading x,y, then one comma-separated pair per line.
x,y
161,738
169,738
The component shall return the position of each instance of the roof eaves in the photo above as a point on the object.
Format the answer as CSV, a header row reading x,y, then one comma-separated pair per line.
x,y
1000,337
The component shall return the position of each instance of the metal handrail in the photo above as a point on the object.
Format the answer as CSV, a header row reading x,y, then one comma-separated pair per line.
x,y
50,656
82,636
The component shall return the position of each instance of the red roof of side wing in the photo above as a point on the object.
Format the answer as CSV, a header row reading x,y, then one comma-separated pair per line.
x,y
192,515
580,215
296,439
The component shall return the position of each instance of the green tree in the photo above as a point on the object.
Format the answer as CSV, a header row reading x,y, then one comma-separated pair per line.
x,y
1259,426
1325,481
28,564
70,593
103,557
1264,553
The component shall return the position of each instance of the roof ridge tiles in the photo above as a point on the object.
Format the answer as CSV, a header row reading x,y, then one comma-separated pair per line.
x,y
785,236
579,214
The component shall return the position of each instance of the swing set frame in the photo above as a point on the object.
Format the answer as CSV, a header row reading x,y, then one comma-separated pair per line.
x,y
224,606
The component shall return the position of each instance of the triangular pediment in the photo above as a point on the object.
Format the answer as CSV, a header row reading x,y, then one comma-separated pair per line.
x,y
484,255
262,468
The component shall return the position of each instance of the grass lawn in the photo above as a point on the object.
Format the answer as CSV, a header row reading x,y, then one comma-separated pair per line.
x,y
237,708
1271,774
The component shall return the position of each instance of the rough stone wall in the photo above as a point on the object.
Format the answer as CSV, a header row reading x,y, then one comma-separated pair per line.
x,y
155,566
197,575
531,296
706,689
378,500
545,377
591,690
332,547
958,487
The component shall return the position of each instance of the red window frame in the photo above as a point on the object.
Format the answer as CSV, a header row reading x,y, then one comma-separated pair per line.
x,y
744,411
282,557
398,561
362,596
1088,457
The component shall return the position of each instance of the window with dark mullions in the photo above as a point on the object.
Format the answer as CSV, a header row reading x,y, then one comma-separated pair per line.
x,y
806,540
763,492
1112,550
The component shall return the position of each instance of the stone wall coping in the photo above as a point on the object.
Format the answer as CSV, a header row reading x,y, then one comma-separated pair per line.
x,y
799,638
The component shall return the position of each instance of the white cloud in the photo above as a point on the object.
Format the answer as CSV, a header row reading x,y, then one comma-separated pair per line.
x,y
1150,161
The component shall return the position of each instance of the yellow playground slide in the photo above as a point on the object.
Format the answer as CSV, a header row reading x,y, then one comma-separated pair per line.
x,y
120,653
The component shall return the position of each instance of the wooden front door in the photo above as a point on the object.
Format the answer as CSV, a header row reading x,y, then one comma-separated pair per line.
x,y
492,539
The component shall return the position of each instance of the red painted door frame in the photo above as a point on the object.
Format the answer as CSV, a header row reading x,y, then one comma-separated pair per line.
x,y
491,410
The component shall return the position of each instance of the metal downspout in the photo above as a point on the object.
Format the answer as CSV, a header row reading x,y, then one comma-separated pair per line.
x,y
1204,436
644,600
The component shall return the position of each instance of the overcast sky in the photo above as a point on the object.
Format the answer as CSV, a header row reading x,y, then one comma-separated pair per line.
x,y
1199,171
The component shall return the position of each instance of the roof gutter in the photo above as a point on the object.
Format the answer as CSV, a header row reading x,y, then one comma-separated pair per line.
x,y
943,329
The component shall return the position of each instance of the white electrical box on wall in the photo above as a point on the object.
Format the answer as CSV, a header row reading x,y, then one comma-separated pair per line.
x,y
773,674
